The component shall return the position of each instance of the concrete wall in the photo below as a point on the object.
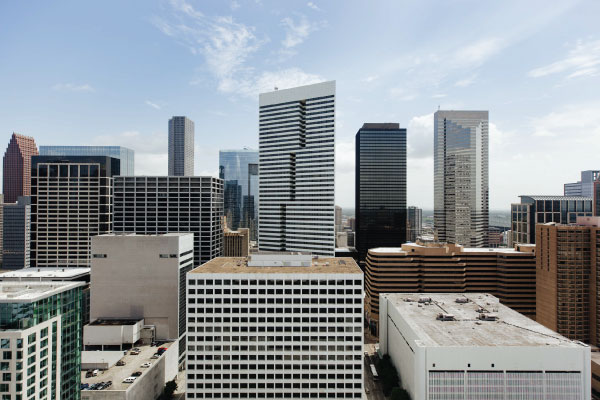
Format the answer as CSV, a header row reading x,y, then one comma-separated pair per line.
x,y
112,334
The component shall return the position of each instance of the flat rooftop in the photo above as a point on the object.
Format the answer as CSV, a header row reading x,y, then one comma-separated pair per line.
x,y
238,265
133,363
114,322
132,234
45,273
509,329
27,292
424,249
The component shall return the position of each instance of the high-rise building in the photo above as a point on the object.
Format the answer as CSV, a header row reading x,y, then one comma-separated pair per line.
x,y
533,210
239,171
16,234
338,219
508,274
143,277
596,204
584,187
296,169
380,187
71,201
17,167
275,326
448,346
568,264
169,204
414,223
40,337
236,243
460,153
181,146
1,228
124,154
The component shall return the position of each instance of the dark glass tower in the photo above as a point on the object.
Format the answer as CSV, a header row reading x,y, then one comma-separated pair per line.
x,y
380,187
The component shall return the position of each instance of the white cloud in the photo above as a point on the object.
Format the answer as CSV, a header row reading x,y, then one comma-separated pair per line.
x,y
235,5
420,136
151,104
582,60
297,31
477,53
282,79
370,78
312,5
402,94
72,87
439,96
465,82
151,156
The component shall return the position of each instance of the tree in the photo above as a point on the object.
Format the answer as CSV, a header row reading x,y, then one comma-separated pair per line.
x,y
168,391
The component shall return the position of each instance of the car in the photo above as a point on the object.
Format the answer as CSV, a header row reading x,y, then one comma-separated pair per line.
x,y
131,379
107,384
84,386
136,349
146,365
134,352
120,363
155,356
95,372
89,374
154,344
136,374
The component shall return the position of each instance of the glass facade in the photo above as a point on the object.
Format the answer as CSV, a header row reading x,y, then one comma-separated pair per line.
x,y
380,187
239,171
125,155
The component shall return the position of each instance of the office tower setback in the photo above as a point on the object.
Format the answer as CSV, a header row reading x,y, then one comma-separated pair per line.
x,y
275,326
143,277
568,264
17,167
535,210
380,187
170,204
414,223
448,346
296,172
584,187
181,146
124,154
71,201
16,233
460,154
236,243
40,333
508,274
239,171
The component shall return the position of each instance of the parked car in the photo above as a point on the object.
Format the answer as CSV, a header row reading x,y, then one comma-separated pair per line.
x,y
155,356
120,363
146,365
136,374
107,384
84,386
131,379
95,372
89,374
134,352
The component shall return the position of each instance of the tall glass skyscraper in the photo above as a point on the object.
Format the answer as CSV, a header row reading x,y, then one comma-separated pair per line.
x,y
239,171
380,187
125,155
181,146
460,153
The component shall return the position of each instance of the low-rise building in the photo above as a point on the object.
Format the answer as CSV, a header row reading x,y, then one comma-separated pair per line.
x,y
236,243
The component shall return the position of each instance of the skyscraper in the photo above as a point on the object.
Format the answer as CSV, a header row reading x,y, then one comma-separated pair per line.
x,y
584,187
124,154
296,174
414,223
460,152
16,233
17,167
380,187
181,146
239,171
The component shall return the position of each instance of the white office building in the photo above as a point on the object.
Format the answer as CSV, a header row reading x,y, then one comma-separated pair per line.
x,y
469,346
275,326
296,169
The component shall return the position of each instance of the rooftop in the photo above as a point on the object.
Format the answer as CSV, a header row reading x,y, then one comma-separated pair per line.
x,y
465,328
448,249
111,322
44,273
239,265
27,292
132,234
542,197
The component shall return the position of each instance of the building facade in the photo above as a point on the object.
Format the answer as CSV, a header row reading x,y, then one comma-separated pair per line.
x,y
236,243
275,326
17,167
239,171
40,337
461,192
16,234
181,146
380,189
296,169
414,223
508,274
584,187
164,204
446,346
535,210
71,201
124,154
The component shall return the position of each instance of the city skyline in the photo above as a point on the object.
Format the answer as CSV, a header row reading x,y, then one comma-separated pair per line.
x,y
536,79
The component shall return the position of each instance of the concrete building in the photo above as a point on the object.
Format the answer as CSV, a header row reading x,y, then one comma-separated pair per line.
x,y
143,277
508,274
338,219
17,167
568,264
596,204
181,146
584,187
71,201
341,240
533,210
414,223
16,233
595,375
236,243
124,154
40,337
165,204
275,326
380,187
296,169
461,192
448,346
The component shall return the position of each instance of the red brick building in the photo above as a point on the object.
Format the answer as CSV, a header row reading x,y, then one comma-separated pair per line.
x,y
17,167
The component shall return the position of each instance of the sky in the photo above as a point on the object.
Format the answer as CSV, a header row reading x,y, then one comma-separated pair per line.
x,y
114,72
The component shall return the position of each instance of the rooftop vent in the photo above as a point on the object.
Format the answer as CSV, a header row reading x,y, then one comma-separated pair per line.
x,y
462,300
445,317
424,299
488,317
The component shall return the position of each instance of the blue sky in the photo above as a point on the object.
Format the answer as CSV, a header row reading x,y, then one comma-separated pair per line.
x,y
114,72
